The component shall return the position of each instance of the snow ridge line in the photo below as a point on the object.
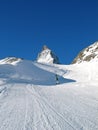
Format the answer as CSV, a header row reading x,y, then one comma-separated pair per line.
x,y
59,114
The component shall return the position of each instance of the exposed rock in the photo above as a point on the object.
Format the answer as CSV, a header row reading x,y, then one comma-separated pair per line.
x,y
87,54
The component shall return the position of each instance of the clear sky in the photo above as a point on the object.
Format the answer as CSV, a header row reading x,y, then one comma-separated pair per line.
x,y
65,26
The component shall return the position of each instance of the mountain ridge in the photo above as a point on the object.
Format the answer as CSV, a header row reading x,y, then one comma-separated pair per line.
x,y
47,56
88,54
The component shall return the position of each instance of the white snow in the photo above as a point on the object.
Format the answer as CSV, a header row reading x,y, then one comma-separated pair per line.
x,y
30,100
10,60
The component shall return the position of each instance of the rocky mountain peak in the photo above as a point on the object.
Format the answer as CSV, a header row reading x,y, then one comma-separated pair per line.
x,y
88,54
45,47
47,56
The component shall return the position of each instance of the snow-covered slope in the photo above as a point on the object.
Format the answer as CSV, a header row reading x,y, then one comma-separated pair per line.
x,y
47,56
31,100
88,54
10,60
25,71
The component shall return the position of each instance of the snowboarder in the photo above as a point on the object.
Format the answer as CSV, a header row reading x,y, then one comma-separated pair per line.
x,y
57,79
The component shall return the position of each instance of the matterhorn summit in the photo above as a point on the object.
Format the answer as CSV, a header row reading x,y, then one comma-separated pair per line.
x,y
88,54
47,56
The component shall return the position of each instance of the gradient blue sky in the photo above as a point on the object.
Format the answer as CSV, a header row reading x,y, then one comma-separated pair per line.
x,y
65,26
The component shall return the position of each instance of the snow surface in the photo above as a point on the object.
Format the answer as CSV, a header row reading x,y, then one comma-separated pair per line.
x,y
31,100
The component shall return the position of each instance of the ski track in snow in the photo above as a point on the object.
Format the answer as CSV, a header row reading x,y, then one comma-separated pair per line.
x,y
16,107
25,109
43,104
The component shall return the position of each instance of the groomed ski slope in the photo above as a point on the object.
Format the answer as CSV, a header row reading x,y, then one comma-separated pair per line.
x,y
30,100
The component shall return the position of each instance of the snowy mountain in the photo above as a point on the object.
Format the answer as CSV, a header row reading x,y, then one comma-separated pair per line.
x,y
47,56
10,60
88,54
31,100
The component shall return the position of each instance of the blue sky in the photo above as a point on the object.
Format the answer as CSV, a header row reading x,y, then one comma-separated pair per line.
x,y
65,26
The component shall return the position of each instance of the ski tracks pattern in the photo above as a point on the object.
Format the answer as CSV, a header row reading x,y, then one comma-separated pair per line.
x,y
49,114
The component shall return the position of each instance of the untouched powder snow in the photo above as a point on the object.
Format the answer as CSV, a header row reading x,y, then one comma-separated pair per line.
x,y
31,100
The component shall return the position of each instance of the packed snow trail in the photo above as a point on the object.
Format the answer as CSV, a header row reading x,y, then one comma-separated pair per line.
x,y
70,104
26,107
21,108
49,109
